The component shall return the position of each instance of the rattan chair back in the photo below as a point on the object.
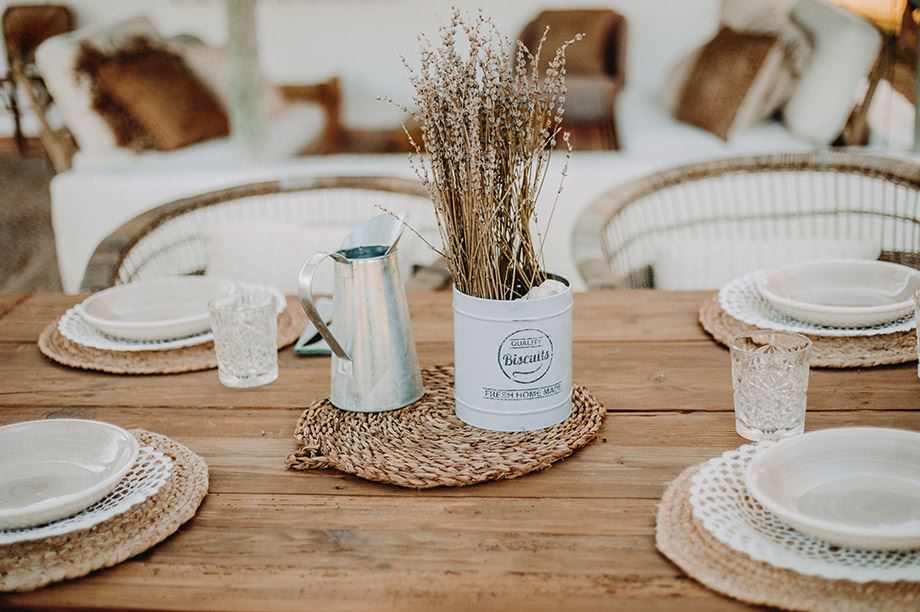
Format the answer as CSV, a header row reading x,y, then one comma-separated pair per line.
x,y
750,200
171,239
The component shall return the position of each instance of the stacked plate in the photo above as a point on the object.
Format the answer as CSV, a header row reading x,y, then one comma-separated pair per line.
x,y
161,314
838,503
63,475
836,297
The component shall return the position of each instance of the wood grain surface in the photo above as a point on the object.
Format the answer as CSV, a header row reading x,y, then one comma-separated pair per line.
x,y
577,536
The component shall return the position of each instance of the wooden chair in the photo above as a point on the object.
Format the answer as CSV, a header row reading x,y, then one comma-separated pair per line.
x,y
170,240
826,194
24,28
595,69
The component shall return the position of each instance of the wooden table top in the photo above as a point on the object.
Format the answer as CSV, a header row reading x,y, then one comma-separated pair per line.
x,y
577,536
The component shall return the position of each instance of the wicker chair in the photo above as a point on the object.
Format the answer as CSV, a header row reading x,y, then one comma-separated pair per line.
x,y
170,240
802,196
24,28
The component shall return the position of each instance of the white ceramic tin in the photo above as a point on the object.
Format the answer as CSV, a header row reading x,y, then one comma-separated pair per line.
x,y
513,361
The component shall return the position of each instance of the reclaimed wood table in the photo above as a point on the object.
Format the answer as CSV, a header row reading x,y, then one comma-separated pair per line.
x,y
577,536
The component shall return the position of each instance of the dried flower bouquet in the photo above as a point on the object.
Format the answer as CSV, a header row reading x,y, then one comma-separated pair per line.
x,y
490,118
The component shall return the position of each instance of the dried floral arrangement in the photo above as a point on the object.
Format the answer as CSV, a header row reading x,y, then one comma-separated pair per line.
x,y
490,118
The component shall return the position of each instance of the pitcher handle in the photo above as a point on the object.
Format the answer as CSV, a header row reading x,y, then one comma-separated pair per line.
x,y
305,287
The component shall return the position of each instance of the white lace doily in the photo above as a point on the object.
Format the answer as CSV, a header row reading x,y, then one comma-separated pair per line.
x,y
721,504
742,300
75,328
149,474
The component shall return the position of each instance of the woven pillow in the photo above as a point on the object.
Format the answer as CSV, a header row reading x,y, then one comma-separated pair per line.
x,y
149,96
731,82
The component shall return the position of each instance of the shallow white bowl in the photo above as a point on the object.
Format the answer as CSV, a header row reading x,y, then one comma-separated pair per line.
x,y
55,468
855,486
160,309
842,292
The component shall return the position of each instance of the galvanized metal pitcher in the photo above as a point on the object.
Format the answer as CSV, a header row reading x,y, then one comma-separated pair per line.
x,y
374,363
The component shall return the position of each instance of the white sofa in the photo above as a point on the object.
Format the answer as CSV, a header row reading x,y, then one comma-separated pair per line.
x,y
92,199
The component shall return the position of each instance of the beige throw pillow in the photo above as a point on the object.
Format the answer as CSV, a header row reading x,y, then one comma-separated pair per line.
x,y
731,82
797,52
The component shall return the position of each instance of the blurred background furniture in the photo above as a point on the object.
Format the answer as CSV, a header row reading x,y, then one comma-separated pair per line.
x,y
24,28
260,233
595,66
700,225
109,185
896,66
302,119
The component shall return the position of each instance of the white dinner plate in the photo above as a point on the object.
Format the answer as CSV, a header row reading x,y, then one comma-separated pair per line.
x,y
160,309
855,486
55,468
842,292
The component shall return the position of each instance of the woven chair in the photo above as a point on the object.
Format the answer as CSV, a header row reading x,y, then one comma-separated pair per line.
x,y
171,240
24,28
802,196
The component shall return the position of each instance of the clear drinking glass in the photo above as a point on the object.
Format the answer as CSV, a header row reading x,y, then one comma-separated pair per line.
x,y
917,319
245,327
770,379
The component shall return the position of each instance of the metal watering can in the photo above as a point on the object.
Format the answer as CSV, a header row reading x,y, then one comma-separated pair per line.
x,y
374,363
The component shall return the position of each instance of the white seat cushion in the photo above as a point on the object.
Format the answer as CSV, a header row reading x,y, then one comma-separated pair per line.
x,y
285,136
845,48
272,253
648,132
709,264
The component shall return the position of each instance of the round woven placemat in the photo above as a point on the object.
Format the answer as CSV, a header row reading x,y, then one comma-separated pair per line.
x,y
189,359
682,540
29,565
425,445
826,351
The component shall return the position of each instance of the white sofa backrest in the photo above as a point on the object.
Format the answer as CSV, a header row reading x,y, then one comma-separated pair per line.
x,y
364,40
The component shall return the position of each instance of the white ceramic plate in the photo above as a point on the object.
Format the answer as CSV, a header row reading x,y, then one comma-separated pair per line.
x,y
147,476
55,468
723,506
160,309
856,487
75,328
842,292
742,300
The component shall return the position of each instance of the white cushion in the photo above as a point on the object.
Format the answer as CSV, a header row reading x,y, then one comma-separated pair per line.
x,y
845,48
648,132
285,136
709,264
891,119
55,59
741,14
268,253
272,253
210,65
777,83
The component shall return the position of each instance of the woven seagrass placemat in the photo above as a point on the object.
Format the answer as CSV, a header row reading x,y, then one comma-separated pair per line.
x,y
425,445
689,546
29,565
826,352
189,359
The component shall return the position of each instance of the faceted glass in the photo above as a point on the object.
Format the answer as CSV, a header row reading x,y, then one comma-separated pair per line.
x,y
245,327
770,380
